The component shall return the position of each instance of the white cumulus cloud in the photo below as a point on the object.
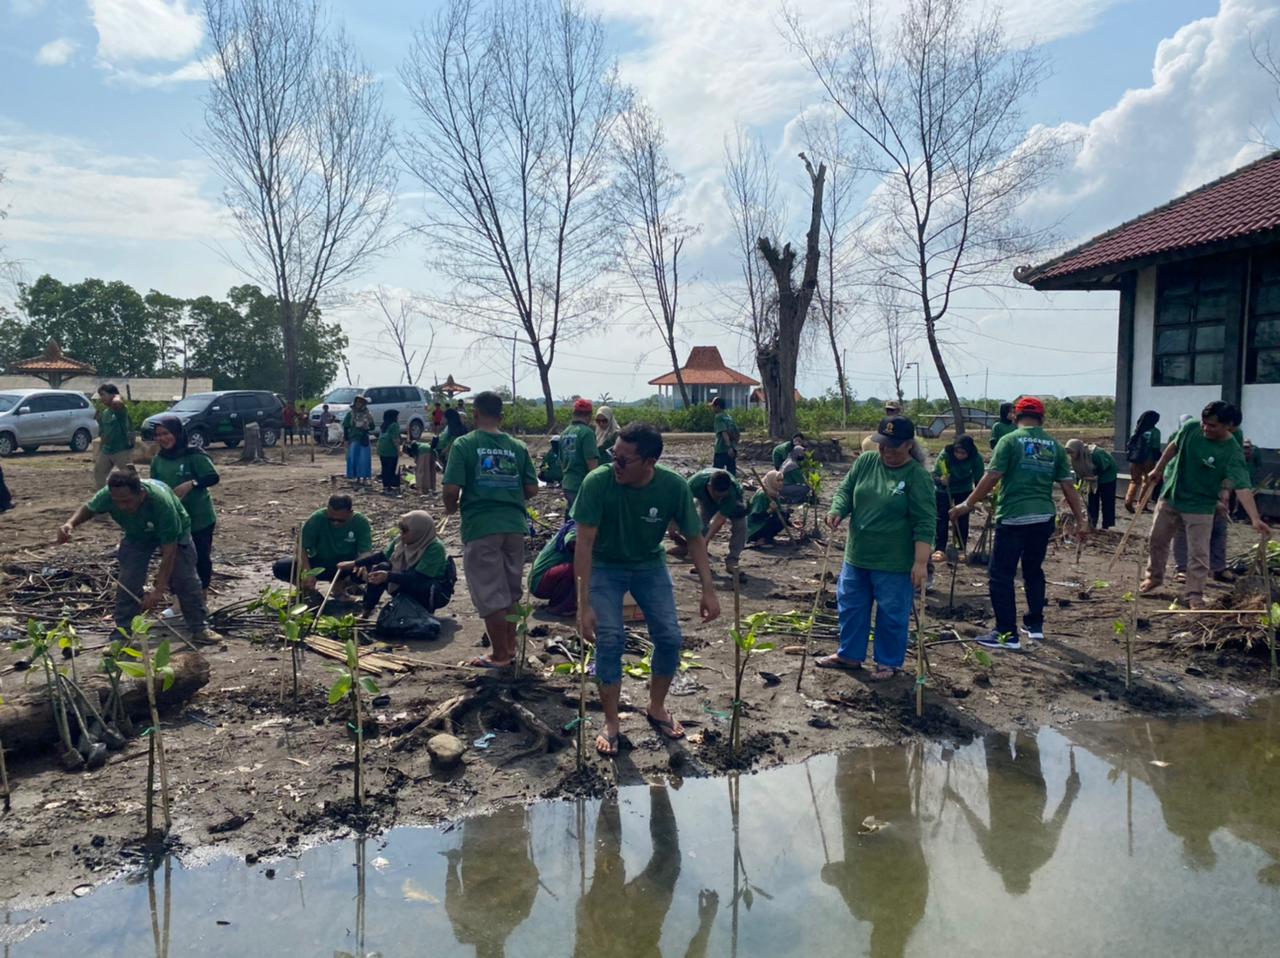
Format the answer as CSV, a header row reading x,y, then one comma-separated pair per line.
x,y
56,53
138,30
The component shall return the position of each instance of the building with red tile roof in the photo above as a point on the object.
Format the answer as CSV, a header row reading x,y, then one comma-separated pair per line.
x,y
706,376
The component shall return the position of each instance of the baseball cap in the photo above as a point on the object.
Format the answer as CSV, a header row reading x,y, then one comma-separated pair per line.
x,y
581,406
894,431
891,406
1029,406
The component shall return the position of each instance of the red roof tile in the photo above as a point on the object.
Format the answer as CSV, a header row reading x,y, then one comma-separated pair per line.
x,y
705,367
1243,203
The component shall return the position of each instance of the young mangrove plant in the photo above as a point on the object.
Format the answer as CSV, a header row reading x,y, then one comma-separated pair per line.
x,y
152,669
295,622
38,643
581,668
745,644
520,618
348,686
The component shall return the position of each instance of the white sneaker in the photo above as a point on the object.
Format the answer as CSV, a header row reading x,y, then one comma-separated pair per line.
x,y
1037,635
995,640
172,612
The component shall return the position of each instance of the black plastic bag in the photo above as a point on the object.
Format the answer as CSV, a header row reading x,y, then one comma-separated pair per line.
x,y
403,619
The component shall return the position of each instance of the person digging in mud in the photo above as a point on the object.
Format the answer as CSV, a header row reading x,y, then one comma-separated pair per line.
x,y
489,477
549,470
1030,462
718,496
152,519
783,449
765,517
414,563
889,499
332,536
959,468
623,512
1201,464
1097,467
551,575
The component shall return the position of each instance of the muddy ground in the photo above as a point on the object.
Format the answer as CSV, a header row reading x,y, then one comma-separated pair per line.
x,y
257,776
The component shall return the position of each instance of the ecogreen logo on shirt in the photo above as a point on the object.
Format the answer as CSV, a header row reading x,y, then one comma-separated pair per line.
x,y
496,469
901,488
652,516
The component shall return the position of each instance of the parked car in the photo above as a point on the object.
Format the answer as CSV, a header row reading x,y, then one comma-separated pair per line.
x,y
410,400
222,416
31,418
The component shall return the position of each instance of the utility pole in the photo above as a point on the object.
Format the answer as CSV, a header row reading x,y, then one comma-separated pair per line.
x,y
844,397
513,372
986,381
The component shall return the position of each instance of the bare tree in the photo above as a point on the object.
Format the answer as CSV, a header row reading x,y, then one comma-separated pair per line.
x,y
827,138
778,350
648,230
402,324
937,105
516,102
295,128
1269,62
894,324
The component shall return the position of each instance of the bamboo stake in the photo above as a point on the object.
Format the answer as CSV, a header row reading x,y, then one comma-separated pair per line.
x,y
4,778
163,621
1265,561
582,685
1143,499
358,725
920,667
1133,627
325,601
735,722
813,613
156,735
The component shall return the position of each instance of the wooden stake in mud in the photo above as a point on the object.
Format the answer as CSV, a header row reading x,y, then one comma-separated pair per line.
x,y
157,738
333,583
4,777
817,599
1148,488
920,666
737,666
1133,626
1264,558
582,685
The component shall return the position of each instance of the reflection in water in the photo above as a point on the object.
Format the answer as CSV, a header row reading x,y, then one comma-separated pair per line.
x,y
883,878
1017,840
1187,844
491,881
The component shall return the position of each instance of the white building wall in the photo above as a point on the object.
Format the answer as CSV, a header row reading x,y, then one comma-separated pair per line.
x,y
1261,407
1169,401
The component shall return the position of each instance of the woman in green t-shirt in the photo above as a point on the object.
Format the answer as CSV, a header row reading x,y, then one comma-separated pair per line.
x,y
606,434
1097,467
414,564
1004,426
190,474
357,427
389,451
764,516
959,468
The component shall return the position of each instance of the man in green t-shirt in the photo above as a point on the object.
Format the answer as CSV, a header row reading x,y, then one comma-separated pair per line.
x,y
332,535
578,453
622,514
783,449
719,499
115,434
1027,464
152,519
489,477
1201,466
726,430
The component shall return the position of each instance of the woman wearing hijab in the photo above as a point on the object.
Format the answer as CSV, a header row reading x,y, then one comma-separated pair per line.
x,y
454,428
764,515
357,427
1005,426
956,472
414,564
190,474
606,434
1142,450
389,451
1098,468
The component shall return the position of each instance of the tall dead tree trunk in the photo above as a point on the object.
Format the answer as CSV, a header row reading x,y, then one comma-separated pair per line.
x,y
777,354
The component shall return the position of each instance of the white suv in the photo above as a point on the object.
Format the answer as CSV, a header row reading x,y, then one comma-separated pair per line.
x,y
31,418
410,400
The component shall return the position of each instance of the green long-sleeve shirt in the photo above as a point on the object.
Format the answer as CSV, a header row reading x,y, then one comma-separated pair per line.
x,y
889,511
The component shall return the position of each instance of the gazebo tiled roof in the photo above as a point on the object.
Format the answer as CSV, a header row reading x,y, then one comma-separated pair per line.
x,y
52,366
451,388
705,367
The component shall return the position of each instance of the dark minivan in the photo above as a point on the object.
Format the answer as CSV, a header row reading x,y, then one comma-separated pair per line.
x,y
222,416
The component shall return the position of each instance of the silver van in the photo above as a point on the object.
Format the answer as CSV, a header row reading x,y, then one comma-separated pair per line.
x,y
31,418
410,400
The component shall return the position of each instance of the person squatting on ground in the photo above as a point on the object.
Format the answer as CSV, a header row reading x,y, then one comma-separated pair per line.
x,y
357,427
1097,468
578,453
331,536
783,449
1201,465
551,575
115,434
424,463
190,474
489,476
550,471
389,451
414,563
1026,465
765,516
6,497
889,500
606,434
795,487
719,499
1141,452
959,468
152,520
622,513
725,455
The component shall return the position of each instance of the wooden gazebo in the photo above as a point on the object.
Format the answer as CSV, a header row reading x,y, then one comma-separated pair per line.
x,y
450,388
52,366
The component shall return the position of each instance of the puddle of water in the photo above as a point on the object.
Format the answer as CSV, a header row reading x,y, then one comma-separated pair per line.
x,y
1139,838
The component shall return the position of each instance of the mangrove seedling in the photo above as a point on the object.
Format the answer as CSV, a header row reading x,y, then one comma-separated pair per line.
x,y
295,622
580,668
38,643
520,618
152,669
746,643
348,686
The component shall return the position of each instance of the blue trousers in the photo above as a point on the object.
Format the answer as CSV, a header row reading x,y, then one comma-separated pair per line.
x,y
893,596
655,593
359,461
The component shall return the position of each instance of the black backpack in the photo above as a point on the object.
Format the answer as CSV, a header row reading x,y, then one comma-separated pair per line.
x,y
1138,449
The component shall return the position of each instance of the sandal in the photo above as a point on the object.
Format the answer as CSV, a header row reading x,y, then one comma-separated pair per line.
x,y
883,673
484,662
1148,585
835,662
610,743
670,729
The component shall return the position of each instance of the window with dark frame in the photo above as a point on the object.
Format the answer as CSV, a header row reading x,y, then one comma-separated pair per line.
x,y
1194,302
1262,358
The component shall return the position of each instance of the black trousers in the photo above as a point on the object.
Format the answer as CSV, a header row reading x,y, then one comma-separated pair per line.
x,y
390,475
6,500
1014,544
203,541
1103,499
282,569
722,460
772,526
942,534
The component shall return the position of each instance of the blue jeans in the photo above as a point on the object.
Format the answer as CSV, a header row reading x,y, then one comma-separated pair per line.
x,y
893,596
655,593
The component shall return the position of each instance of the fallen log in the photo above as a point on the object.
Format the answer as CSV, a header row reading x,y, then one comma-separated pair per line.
x,y
26,715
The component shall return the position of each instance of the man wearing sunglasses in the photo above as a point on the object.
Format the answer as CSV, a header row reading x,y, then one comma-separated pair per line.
x,y
622,513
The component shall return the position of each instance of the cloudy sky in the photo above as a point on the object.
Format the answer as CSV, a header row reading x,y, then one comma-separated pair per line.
x,y
102,178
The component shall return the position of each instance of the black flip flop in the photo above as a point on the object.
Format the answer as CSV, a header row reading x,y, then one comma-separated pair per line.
x,y
666,729
613,745
839,664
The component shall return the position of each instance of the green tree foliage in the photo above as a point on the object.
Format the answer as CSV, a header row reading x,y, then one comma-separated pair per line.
x,y
97,322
